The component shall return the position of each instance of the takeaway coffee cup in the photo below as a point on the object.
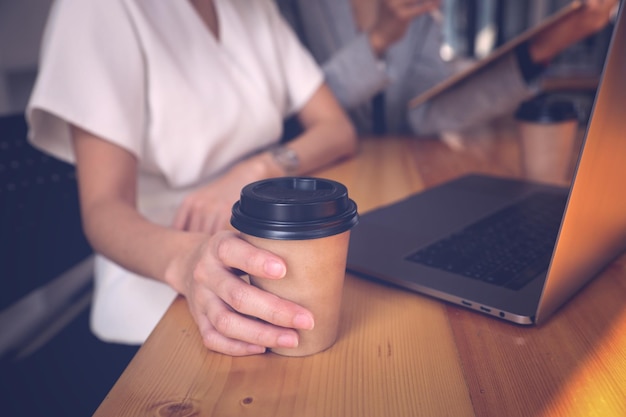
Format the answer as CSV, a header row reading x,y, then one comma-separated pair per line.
x,y
307,222
547,133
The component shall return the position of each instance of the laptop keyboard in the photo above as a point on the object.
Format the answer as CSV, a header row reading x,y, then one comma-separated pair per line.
x,y
508,248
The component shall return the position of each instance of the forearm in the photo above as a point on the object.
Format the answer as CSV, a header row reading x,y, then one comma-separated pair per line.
x,y
323,145
117,231
489,93
590,19
107,176
354,73
328,134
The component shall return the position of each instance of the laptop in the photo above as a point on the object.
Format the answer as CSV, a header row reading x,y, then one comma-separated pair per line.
x,y
563,13
427,242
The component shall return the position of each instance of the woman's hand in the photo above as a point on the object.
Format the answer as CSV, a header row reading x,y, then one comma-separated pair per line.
x,y
393,20
208,209
233,316
594,15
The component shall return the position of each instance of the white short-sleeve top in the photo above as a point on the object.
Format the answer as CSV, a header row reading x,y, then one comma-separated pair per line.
x,y
150,77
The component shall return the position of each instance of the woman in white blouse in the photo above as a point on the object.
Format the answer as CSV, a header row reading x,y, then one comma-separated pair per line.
x,y
168,108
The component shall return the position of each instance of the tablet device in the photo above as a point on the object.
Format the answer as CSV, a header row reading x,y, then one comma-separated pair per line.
x,y
549,22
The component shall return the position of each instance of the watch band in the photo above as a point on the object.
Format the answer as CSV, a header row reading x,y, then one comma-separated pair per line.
x,y
286,158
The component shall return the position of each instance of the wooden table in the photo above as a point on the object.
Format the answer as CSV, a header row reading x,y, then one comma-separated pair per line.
x,y
400,353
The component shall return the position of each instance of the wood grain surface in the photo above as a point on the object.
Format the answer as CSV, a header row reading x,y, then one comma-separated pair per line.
x,y
399,353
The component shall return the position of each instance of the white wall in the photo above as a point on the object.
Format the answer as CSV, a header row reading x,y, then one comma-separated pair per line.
x,y
21,26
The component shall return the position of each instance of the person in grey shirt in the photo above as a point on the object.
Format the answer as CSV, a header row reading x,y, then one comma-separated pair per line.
x,y
391,48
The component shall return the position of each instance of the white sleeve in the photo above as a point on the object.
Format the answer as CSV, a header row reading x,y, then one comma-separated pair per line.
x,y
301,74
91,75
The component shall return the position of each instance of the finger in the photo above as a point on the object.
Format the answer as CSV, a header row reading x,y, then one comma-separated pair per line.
x,y
180,219
236,253
247,299
208,221
213,223
252,301
232,329
214,341
223,220
197,221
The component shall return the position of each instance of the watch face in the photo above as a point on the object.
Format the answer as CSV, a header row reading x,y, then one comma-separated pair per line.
x,y
286,158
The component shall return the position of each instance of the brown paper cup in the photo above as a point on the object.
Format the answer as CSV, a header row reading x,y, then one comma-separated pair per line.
x,y
307,222
547,134
316,271
546,150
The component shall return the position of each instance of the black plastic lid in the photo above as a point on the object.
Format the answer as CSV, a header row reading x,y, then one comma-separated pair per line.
x,y
543,110
294,208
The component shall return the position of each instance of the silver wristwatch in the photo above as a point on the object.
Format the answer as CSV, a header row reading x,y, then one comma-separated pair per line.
x,y
286,158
